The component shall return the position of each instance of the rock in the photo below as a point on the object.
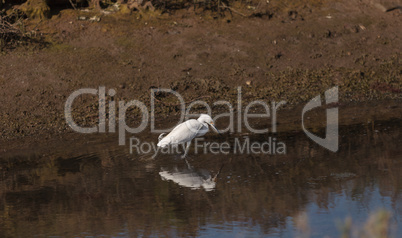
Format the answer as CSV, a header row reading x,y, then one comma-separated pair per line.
x,y
95,19
36,9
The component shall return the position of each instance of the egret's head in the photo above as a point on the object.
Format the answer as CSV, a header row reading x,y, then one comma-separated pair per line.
x,y
204,118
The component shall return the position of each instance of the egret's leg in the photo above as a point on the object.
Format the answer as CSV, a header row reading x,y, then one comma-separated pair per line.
x,y
186,151
188,164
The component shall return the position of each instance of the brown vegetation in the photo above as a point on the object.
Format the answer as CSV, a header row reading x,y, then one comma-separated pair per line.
x,y
8,32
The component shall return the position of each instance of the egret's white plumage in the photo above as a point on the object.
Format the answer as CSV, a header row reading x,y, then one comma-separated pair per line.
x,y
190,178
186,131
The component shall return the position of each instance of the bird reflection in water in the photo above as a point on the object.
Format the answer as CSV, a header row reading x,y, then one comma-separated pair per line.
x,y
190,177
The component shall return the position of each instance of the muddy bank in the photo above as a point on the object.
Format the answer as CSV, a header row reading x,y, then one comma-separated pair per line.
x,y
292,55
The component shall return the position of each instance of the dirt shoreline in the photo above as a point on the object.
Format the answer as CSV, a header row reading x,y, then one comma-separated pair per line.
x,y
291,57
370,115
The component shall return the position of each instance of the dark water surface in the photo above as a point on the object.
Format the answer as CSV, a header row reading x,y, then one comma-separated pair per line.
x,y
97,188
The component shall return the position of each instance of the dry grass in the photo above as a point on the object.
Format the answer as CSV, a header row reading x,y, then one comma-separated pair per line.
x,y
10,33
377,225
13,31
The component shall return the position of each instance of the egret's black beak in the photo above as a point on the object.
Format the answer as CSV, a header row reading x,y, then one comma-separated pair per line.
x,y
215,178
213,127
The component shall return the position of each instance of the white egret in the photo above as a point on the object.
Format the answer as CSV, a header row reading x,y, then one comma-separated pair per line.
x,y
186,131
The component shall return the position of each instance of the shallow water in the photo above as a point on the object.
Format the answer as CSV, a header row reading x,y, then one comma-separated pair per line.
x,y
97,188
